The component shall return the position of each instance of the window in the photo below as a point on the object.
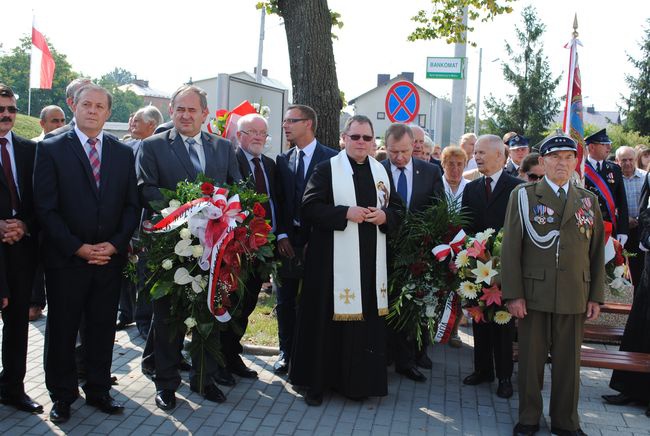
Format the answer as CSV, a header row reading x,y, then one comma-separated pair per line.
x,y
381,115
422,120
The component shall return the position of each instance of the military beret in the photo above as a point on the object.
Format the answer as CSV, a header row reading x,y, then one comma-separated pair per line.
x,y
600,137
557,142
517,141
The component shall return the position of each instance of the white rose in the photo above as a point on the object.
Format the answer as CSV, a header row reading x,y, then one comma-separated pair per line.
x,y
256,106
167,264
174,204
197,251
430,311
190,322
619,271
185,233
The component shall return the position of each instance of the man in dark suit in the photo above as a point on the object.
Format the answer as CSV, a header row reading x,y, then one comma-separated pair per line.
x,y
294,168
182,153
70,92
419,184
18,236
259,171
486,200
605,179
86,198
518,150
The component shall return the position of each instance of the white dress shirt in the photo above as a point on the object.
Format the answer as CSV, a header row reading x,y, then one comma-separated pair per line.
x,y
198,146
309,153
83,138
408,172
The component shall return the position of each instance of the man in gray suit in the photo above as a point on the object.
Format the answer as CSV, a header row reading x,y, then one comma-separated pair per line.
x,y
167,158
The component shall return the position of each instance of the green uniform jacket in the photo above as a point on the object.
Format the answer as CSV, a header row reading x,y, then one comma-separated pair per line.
x,y
564,277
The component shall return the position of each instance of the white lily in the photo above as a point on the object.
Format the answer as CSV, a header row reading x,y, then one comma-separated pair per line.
x,y
484,235
183,248
484,271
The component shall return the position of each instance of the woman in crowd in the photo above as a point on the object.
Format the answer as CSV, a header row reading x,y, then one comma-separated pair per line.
x,y
642,156
530,169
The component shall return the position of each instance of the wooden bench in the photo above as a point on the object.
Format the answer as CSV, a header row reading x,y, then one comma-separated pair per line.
x,y
597,332
618,308
610,359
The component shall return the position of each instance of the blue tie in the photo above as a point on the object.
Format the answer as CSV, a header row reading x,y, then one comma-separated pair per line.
x,y
194,156
402,187
299,186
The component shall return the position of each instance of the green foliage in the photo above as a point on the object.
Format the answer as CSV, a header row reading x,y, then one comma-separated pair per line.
x,y
470,115
638,103
445,20
14,71
27,127
617,133
117,77
533,106
271,7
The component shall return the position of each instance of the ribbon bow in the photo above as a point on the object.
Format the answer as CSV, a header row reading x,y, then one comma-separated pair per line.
x,y
456,245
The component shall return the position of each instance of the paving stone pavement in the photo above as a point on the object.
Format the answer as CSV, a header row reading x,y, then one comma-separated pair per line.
x,y
269,406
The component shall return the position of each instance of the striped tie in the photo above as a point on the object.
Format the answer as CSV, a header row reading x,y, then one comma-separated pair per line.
x,y
93,156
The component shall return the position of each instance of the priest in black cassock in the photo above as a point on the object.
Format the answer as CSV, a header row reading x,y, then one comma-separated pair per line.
x,y
350,205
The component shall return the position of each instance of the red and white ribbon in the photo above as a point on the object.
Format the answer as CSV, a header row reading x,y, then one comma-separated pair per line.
x,y
448,319
456,245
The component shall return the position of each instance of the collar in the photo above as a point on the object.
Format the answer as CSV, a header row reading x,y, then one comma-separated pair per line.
x,y
495,176
309,148
8,137
250,157
84,138
555,187
197,138
513,164
408,166
638,174
593,162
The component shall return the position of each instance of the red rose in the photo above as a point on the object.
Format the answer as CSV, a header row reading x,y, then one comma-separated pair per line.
x,y
618,258
259,233
207,188
258,210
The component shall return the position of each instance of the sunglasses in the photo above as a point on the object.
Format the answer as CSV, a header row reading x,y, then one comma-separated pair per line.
x,y
293,120
10,109
532,176
366,138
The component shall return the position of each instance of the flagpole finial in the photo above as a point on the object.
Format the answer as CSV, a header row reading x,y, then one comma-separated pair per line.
x,y
575,25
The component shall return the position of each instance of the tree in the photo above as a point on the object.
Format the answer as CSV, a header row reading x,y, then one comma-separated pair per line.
x,y
117,77
446,18
638,103
530,110
14,71
311,60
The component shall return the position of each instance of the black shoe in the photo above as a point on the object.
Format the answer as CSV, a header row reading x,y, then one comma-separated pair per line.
x,y
211,393
281,366
121,325
60,412
525,429
618,399
243,371
411,373
423,361
224,377
184,365
561,432
476,378
106,404
21,402
314,399
505,388
166,399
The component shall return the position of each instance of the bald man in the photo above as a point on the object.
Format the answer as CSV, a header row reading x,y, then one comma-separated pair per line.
x,y
52,117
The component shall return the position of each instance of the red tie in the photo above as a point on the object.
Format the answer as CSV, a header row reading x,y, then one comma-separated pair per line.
x,y
93,156
9,174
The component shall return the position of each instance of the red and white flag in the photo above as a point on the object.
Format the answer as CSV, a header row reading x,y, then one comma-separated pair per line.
x,y
42,64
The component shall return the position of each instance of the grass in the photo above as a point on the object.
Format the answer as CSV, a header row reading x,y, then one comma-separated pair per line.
x,y
263,324
27,127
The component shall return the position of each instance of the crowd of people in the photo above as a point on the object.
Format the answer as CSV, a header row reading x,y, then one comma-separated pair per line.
x,y
75,197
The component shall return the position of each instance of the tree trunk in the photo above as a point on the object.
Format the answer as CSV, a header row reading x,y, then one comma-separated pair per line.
x,y
308,25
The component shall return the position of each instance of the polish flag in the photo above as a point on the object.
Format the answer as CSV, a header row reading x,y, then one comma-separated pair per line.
x,y
42,65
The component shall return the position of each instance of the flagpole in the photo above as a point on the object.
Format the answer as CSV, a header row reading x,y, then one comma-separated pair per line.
x,y
29,83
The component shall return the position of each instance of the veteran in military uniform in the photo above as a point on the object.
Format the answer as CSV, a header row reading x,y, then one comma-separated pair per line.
x,y
605,179
553,279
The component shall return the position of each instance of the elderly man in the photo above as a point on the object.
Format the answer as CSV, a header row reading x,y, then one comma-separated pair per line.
x,y
419,184
518,150
70,92
18,241
85,194
340,341
554,255
604,178
485,200
633,179
51,118
467,143
182,153
259,170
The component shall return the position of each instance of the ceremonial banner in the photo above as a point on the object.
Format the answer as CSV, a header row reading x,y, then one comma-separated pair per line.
x,y
42,63
572,124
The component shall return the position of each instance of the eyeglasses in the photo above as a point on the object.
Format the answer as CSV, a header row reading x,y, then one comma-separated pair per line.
x,y
532,176
255,133
10,109
366,138
293,120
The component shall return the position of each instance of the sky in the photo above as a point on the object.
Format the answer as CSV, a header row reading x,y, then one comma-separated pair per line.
x,y
169,43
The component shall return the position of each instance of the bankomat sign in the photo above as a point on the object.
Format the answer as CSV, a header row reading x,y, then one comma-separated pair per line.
x,y
445,68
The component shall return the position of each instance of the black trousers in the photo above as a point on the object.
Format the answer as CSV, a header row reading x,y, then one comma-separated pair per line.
x,y
92,292
636,262
231,338
493,348
19,266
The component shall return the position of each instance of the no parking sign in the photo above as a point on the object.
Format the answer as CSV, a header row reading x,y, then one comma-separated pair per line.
x,y
402,102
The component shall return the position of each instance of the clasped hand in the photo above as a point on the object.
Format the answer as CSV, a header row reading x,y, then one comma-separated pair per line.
x,y
97,254
371,215
12,230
